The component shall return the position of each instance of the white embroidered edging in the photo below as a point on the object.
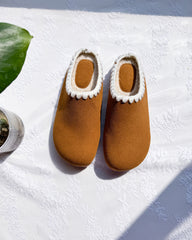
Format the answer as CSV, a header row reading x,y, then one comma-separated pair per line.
x,y
96,90
141,88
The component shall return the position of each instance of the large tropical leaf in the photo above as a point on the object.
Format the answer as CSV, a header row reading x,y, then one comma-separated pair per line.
x,y
14,42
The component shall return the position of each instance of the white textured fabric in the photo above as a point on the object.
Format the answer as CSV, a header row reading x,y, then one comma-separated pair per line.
x,y
40,198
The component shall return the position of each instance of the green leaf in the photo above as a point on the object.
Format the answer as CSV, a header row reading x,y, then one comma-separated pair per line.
x,y
14,42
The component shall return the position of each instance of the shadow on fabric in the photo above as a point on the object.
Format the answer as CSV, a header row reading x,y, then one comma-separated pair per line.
x,y
169,209
4,156
145,7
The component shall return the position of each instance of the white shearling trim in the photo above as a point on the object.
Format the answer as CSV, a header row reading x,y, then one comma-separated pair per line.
x,y
126,97
84,94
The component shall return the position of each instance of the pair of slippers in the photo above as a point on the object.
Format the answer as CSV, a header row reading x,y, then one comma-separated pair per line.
x,y
76,130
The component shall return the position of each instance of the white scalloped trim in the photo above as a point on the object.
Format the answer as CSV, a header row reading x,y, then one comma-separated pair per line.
x,y
127,97
84,94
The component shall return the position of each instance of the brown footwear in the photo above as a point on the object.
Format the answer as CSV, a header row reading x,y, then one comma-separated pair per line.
x,y
127,130
76,131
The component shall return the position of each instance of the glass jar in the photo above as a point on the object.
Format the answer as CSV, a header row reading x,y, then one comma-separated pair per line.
x,y
11,131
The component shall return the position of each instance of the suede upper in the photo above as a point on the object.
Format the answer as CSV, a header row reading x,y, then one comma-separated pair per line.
x,y
126,136
76,130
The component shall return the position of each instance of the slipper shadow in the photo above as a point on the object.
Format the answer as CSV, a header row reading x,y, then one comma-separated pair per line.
x,y
100,167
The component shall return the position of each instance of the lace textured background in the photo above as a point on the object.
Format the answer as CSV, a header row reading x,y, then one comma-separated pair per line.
x,y
41,198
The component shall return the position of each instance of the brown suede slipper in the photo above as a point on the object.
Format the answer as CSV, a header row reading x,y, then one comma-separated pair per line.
x,y
127,129
76,130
